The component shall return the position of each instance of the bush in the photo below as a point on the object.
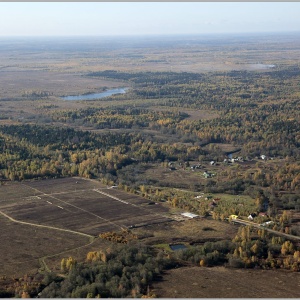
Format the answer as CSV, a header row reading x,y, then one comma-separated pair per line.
x,y
235,263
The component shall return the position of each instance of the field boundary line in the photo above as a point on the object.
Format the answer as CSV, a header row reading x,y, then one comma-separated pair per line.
x,y
113,197
79,208
256,225
46,226
42,259
139,207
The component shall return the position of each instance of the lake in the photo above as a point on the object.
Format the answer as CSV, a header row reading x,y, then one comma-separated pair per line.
x,y
97,95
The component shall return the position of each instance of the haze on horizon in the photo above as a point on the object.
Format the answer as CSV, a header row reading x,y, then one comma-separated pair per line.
x,y
146,18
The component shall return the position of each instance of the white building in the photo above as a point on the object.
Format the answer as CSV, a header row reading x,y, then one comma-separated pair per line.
x,y
189,215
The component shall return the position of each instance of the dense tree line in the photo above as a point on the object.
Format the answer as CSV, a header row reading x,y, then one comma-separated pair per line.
x,y
119,271
33,151
257,109
119,117
249,248
257,112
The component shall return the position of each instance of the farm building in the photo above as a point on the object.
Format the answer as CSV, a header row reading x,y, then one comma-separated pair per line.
x,y
189,215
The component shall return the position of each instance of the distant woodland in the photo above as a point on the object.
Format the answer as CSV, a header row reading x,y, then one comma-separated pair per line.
x,y
256,111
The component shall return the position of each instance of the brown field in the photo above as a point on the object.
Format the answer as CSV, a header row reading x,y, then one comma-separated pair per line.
x,y
71,204
52,219
80,205
220,282
22,246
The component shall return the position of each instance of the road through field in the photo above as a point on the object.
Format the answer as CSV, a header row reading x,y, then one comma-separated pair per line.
x,y
45,226
42,259
100,191
125,202
77,207
244,222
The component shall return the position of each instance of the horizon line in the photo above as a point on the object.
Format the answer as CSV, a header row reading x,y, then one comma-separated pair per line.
x,y
152,34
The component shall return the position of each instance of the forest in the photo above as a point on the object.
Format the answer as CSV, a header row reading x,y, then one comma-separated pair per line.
x,y
257,112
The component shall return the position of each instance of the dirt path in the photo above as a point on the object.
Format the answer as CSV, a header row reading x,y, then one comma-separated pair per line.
x,y
77,207
45,226
42,259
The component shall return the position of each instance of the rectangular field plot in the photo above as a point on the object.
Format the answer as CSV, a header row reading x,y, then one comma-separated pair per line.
x,y
133,199
90,209
57,215
70,184
12,192
22,245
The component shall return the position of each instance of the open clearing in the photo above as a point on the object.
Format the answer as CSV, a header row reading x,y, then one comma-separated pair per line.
x,y
219,282
17,82
191,232
23,245
80,205
47,217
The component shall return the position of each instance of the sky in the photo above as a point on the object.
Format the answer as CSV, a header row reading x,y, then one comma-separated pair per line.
x,y
146,18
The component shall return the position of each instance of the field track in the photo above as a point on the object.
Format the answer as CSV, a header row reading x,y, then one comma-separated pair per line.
x,y
289,236
43,220
77,207
44,226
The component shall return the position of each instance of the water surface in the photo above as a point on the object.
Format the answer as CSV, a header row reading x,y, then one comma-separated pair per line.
x,y
97,95
178,247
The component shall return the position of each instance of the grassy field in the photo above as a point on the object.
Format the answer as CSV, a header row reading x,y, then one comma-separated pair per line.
x,y
190,231
56,83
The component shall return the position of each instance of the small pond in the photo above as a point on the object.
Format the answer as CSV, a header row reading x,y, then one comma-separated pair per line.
x,y
178,247
97,95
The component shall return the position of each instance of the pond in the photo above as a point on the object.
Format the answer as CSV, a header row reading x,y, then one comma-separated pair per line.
x,y
178,247
97,95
